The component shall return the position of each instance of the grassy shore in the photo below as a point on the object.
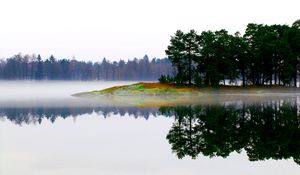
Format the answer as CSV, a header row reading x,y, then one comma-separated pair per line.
x,y
157,94
156,88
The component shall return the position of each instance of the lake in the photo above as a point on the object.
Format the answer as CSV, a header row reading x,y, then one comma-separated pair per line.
x,y
44,130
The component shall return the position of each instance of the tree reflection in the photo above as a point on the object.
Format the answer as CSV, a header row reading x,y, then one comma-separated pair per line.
x,y
265,130
35,115
268,130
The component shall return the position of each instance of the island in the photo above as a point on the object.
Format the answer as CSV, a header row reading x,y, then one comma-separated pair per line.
x,y
219,66
156,94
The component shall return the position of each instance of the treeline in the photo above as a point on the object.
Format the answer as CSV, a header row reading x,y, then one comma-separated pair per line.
x,y
31,67
264,55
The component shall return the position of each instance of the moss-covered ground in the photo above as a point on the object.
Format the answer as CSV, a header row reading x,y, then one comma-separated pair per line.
x,y
148,89
171,89
157,94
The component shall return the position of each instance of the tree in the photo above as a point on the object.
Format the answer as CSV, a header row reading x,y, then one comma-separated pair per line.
x,y
192,52
239,50
216,59
176,52
39,71
296,24
295,47
206,63
254,37
226,63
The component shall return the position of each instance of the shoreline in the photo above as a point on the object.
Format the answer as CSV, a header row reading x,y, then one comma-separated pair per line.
x,y
155,88
156,94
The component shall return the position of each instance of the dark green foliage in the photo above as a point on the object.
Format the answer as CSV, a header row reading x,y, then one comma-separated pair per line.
x,y
165,79
183,51
175,54
198,81
265,55
264,130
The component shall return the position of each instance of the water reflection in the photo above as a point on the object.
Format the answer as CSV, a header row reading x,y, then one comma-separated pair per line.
x,y
35,115
267,130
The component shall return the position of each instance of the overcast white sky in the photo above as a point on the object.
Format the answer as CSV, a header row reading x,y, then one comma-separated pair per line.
x,y
93,29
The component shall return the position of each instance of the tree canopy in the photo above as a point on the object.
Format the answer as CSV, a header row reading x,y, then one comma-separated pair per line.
x,y
264,55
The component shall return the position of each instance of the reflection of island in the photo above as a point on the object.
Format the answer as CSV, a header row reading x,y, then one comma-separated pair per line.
x,y
269,130
33,115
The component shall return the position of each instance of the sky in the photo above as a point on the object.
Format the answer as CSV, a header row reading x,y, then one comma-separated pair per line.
x,y
124,29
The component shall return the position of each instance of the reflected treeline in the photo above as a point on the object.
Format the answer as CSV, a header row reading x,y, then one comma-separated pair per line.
x,y
36,115
266,130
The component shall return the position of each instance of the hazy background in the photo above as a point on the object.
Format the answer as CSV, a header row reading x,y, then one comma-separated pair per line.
x,y
93,29
50,93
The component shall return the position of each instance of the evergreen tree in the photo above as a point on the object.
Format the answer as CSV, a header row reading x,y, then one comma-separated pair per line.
x,y
176,52
39,71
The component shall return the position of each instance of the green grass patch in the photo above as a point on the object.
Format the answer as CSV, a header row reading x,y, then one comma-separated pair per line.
x,y
142,88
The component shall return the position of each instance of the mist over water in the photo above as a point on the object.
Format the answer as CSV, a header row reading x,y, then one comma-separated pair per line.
x,y
45,130
49,93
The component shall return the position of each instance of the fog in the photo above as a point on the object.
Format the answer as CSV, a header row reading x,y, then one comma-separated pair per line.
x,y
22,94
50,93
47,131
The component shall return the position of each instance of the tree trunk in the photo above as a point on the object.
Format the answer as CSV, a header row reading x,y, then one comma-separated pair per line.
x,y
243,77
190,70
295,79
275,77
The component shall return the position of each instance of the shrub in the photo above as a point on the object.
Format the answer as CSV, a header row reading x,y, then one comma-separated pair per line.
x,y
164,79
198,81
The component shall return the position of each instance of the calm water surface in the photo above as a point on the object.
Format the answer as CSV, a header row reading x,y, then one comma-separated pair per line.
x,y
43,130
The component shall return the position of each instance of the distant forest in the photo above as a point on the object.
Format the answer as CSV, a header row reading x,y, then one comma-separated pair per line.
x,y
264,55
31,67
